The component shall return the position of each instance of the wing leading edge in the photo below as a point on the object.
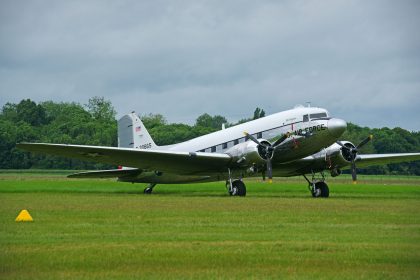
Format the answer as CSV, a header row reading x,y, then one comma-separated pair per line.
x,y
380,159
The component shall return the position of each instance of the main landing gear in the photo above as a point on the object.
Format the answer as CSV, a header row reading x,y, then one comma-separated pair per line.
x,y
235,187
317,186
149,189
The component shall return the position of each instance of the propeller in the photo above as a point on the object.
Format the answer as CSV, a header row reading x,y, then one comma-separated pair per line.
x,y
268,150
353,151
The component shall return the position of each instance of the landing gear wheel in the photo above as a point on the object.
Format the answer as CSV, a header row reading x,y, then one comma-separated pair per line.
x,y
148,190
238,188
320,190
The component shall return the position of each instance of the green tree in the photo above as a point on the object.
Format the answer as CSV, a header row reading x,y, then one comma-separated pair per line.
x,y
95,124
101,109
64,123
28,111
386,140
258,113
171,134
216,122
153,120
9,112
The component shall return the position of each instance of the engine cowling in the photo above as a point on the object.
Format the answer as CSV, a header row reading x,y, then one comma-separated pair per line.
x,y
336,157
249,154
339,156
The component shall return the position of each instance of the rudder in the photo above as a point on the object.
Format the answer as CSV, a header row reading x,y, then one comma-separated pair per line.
x,y
133,134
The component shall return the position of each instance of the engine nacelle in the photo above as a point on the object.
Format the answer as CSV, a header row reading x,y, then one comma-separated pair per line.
x,y
338,156
248,154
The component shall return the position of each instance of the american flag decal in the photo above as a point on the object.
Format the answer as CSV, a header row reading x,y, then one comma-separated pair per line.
x,y
138,128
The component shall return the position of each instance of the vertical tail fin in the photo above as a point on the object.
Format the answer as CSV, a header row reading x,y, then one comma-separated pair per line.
x,y
133,134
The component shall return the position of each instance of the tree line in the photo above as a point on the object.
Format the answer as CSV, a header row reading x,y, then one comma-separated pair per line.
x,y
94,123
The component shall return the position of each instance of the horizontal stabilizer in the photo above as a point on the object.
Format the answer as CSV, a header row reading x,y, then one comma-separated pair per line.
x,y
113,173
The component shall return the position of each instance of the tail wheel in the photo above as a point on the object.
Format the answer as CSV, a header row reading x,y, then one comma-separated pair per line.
x,y
321,190
238,188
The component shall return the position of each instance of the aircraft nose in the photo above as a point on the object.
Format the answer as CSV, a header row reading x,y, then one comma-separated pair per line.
x,y
336,127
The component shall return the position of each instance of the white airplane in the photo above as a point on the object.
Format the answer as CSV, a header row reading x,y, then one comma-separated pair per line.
x,y
300,141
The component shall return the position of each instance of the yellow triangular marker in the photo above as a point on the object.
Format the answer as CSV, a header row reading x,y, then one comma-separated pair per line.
x,y
24,216
270,181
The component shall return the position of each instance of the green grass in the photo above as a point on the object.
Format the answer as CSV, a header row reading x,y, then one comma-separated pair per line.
x,y
101,229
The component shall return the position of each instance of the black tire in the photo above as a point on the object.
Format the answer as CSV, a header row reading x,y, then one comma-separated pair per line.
x,y
325,191
239,188
321,190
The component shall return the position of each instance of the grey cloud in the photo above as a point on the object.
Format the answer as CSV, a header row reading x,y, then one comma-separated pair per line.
x,y
358,59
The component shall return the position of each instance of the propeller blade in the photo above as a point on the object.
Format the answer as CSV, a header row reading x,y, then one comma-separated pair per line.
x,y
353,172
252,138
364,142
280,140
269,171
342,145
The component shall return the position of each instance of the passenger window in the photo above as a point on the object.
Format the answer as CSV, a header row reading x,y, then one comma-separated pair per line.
x,y
224,146
236,142
259,135
305,118
213,149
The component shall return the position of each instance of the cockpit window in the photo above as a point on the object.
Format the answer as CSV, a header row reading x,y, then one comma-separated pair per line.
x,y
318,115
305,118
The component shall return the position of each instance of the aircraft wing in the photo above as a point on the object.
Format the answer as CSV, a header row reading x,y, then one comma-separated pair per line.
x,y
317,163
381,159
164,161
106,173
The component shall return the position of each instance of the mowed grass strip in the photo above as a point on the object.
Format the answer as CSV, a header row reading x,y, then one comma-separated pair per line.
x,y
90,229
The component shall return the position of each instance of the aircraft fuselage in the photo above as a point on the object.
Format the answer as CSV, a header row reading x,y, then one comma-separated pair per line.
x,y
311,129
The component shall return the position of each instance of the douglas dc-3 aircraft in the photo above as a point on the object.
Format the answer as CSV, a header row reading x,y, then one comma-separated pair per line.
x,y
300,141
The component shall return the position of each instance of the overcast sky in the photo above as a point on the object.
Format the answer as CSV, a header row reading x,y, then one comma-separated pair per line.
x,y
358,59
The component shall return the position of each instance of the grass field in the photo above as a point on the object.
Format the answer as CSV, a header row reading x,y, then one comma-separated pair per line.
x,y
101,229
